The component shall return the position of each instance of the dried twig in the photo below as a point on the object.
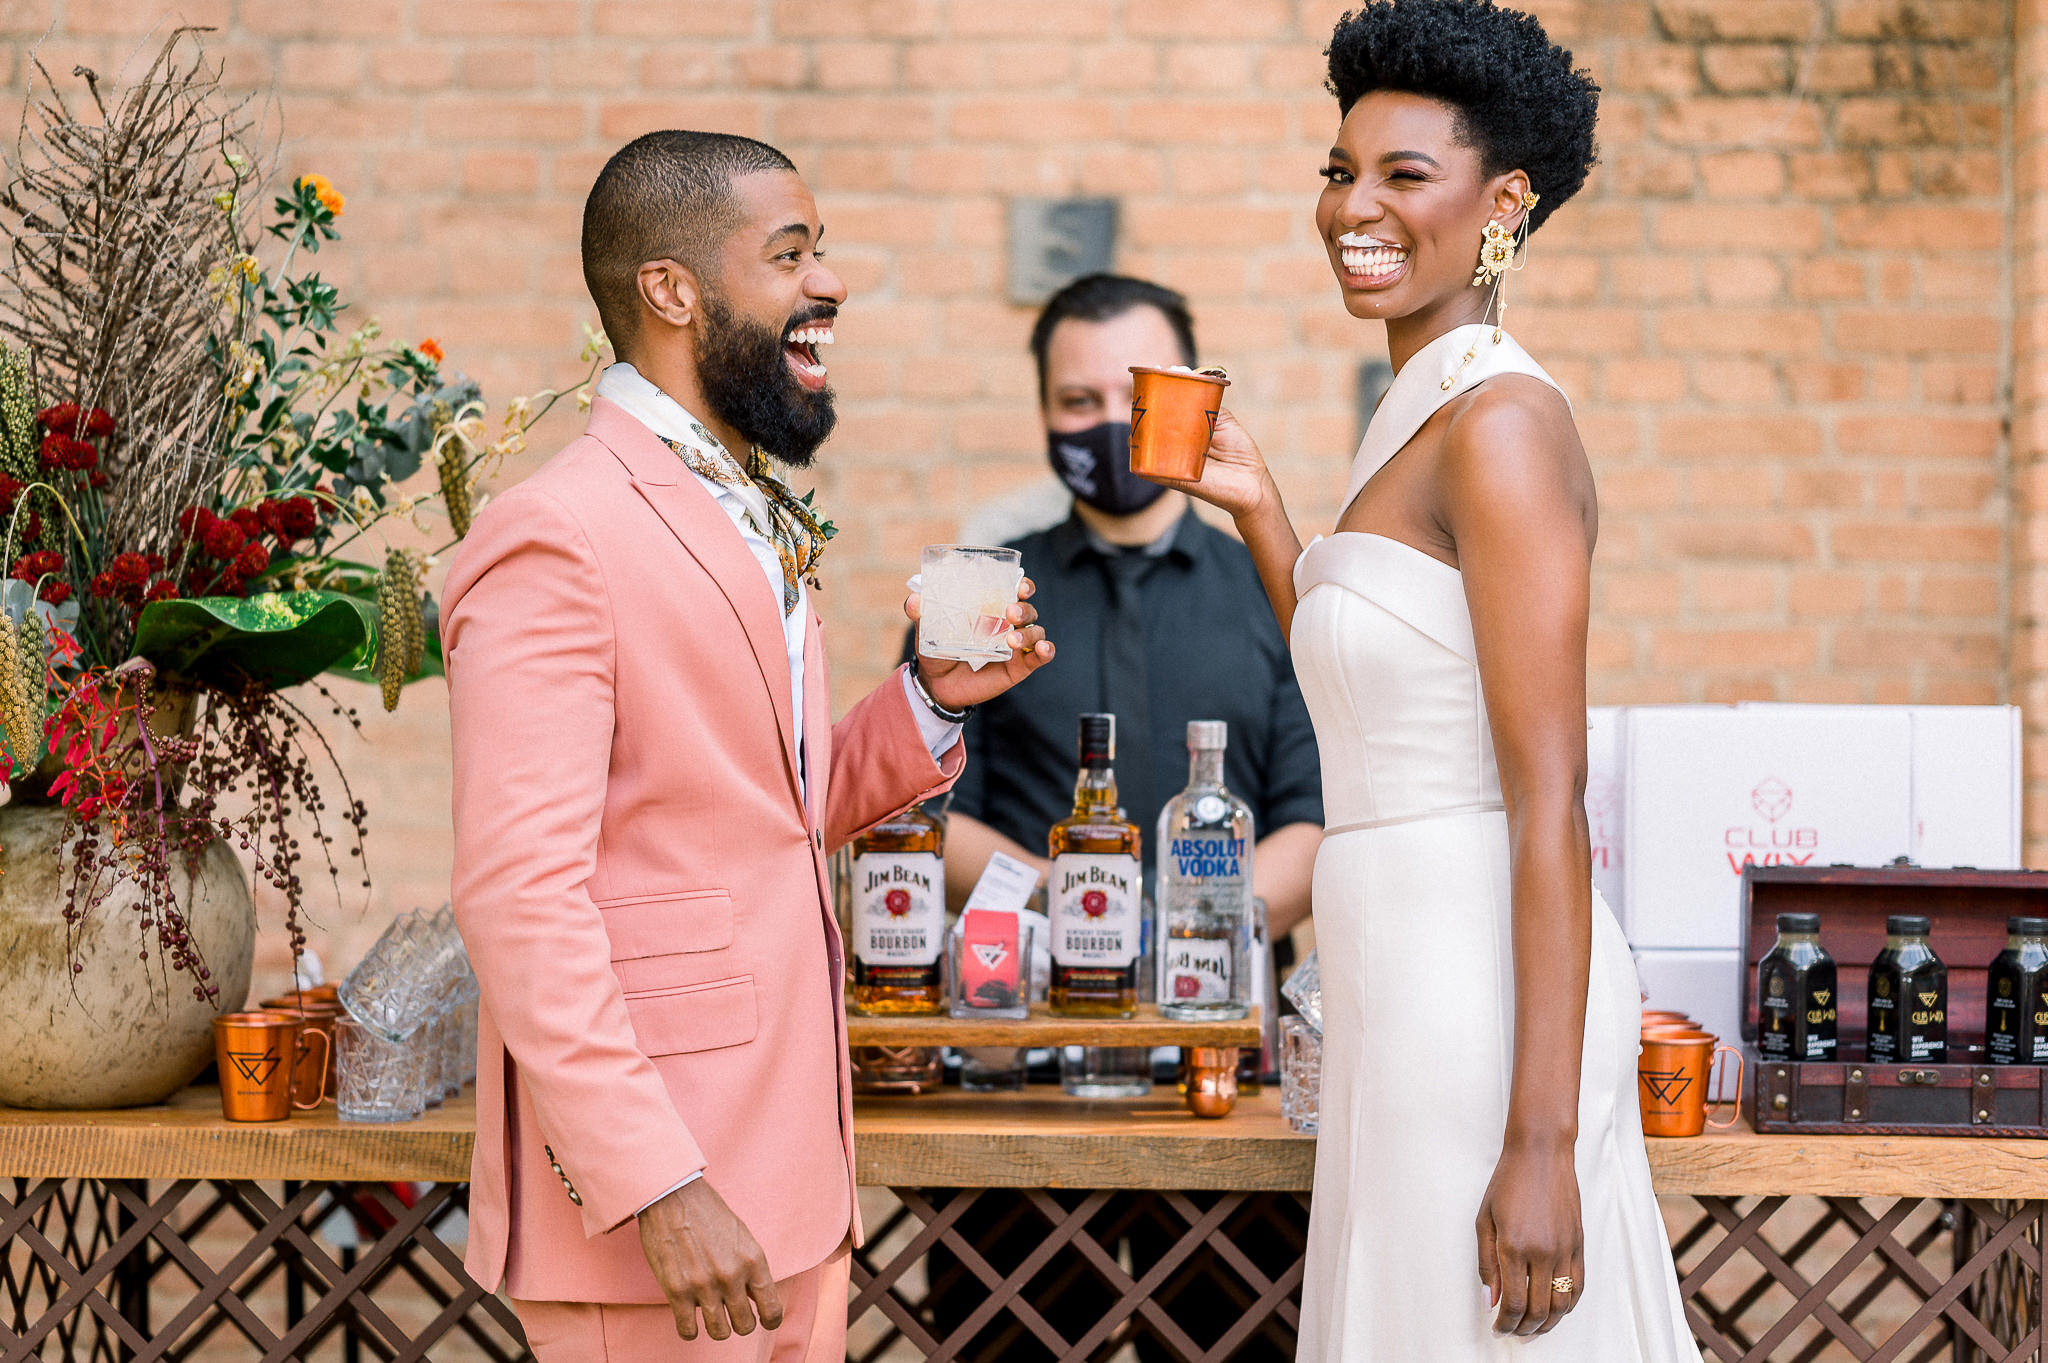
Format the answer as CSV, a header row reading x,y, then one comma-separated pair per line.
x,y
117,212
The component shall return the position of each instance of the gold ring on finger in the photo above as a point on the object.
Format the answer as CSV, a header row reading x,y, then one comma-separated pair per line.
x,y
1564,1283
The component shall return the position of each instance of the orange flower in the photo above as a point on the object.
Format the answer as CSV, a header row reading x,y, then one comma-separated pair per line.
x,y
323,189
431,348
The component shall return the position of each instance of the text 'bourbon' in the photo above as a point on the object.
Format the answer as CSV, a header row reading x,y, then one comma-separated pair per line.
x,y
1095,893
899,917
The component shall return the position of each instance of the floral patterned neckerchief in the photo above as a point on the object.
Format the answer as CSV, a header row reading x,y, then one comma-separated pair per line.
x,y
794,526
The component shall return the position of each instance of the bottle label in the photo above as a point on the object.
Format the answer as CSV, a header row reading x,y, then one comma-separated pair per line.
x,y
1194,856
899,908
1774,1019
1093,901
1197,970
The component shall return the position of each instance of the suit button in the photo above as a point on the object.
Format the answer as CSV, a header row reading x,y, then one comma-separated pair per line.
x,y
818,839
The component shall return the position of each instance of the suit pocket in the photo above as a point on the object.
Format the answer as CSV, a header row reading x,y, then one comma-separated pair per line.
x,y
667,924
695,1017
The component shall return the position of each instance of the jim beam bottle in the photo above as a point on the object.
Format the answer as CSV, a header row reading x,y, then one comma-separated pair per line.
x,y
1205,889
1094,895
1908,997
2016,1026
899,917
1796,996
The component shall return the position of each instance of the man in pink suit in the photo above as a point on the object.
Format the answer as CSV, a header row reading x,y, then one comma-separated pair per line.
x,y
647,781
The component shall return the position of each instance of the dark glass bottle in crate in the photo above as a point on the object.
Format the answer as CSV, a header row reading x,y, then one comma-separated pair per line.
x,y
1796,994
1908,997
2016,996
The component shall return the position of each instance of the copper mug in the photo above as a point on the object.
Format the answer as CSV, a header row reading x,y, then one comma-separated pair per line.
x,y
257,1054
1656,1017
1173,419
1672,1076
1212,1080
314,1071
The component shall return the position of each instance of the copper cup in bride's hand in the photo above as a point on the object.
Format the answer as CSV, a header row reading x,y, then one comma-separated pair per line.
x,y
1173,419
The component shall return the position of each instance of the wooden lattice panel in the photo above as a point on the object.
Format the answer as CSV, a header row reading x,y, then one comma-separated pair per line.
x,y
1150,1263
104,1271
119,1269
1793,1280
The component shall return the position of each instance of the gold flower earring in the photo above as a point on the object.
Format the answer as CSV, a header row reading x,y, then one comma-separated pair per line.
x,y
1497,252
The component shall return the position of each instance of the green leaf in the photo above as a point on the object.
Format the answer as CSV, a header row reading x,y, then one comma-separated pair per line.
x,y
280,638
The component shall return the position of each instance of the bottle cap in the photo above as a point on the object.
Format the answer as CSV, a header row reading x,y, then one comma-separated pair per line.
x,y
1907,925
1207,734
1798,922
1098,738
2027,927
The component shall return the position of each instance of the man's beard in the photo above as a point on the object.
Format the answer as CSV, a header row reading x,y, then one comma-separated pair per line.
x,y
748,385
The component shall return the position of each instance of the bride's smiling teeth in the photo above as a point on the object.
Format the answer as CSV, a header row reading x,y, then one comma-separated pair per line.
x,y
1369,260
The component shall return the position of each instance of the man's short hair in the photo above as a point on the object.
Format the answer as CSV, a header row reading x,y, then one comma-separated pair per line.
x,y
663,196
1099,297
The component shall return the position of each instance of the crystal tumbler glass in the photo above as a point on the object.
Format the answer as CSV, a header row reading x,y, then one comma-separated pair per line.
x,y
1301,1073
967,591
381,1080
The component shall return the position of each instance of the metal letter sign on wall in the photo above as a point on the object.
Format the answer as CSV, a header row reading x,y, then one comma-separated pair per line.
x,y
1054,241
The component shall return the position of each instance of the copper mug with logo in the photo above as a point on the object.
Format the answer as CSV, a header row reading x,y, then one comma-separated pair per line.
x,y
1173,419
257,1054
1673,1074
313,1073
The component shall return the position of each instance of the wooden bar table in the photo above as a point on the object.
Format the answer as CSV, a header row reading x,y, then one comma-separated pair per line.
x,y
168,1233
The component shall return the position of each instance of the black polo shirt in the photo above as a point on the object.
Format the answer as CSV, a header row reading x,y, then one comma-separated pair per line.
x,y
1210,649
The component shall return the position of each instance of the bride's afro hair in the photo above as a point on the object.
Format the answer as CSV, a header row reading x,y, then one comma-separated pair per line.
x,y
1520,103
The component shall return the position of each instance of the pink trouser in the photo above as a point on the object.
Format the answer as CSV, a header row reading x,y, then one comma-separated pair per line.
x,y
813,1328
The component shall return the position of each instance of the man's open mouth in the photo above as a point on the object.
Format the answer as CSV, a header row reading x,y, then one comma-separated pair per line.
x,y
800,348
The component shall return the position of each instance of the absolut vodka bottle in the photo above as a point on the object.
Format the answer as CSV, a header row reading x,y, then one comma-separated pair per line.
x,y
1205,889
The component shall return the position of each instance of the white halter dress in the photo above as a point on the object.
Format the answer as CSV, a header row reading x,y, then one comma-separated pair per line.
x,y
1412,919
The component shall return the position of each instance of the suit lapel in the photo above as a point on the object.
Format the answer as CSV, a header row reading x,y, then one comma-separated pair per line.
x,y
708,535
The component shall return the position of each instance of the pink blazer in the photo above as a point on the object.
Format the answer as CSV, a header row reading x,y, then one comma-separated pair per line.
x,y
642,890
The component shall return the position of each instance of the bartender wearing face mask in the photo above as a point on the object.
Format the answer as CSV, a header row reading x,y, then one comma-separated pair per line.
x,y
1160,617
1161,620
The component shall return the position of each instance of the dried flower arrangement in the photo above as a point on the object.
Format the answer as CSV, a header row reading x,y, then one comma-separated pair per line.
x,y
194,460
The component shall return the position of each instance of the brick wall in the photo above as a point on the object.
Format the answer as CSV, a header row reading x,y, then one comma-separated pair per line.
x,y
1783,303
2029,643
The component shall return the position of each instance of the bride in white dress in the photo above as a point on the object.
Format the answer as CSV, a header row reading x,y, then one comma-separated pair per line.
x,y
1481,1189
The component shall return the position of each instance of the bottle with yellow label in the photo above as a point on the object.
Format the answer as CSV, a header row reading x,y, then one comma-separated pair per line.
x,y
2016,1021
1796,1003
1908,997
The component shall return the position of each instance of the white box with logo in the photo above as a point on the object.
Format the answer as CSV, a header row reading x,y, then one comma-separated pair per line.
x,y
1966,786
1965,779
1708,792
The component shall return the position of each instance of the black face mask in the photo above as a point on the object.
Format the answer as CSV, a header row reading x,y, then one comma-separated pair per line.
x,y
1095,464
